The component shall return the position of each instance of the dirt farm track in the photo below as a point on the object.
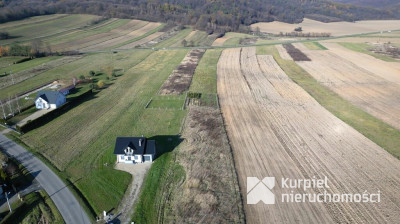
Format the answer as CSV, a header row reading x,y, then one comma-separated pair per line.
x,y
277,130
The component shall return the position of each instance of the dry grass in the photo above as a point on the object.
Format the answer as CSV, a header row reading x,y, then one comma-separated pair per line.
x,y
210,192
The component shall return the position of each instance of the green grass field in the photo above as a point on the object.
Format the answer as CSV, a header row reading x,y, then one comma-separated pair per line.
x,y
205,78
86,32
48,28
177,38
314,46
363,48
35,207
85,142
234,38
25,65
379,132
7,61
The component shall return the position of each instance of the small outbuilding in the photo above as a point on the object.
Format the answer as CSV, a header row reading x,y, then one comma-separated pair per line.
x,y
49,99
134,150
67,90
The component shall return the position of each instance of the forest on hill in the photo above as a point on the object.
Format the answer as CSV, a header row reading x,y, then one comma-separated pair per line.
x,y
209,15
373,3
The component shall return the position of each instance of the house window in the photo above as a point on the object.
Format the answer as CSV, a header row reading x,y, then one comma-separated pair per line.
x,y
122,157
129,158
136,157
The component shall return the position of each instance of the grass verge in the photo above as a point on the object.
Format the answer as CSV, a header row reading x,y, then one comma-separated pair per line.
x,y
376,130
314,46
363,48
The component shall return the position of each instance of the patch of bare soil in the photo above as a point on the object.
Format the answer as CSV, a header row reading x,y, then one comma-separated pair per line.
x,y
138,172
210,193
180,79
295,53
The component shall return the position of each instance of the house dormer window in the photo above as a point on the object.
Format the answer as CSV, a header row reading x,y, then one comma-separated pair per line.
x,y
128,151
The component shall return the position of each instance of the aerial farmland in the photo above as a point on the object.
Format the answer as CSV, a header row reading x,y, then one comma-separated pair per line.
x,y
221,107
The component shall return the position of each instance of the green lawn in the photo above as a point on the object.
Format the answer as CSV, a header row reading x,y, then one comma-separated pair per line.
x,y
82,148
363,48
177,38
379,132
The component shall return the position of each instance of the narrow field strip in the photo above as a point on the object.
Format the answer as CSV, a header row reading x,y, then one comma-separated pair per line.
x,y
119,40
276,129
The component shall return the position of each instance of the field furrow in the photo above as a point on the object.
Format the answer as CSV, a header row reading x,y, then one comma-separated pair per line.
x,y
277,130
366,82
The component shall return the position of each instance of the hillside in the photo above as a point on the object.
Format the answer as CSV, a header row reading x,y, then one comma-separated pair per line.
x,y
372,3
219,15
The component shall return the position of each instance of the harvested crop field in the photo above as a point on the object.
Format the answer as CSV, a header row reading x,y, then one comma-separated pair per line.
x,y
335,28
180,79
295,53
367,82
278,130
283,53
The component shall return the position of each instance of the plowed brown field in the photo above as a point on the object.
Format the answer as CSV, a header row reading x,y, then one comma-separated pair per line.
x,y
277,130
367,82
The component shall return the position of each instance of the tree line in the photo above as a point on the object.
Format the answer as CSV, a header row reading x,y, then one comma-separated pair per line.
x,y
218,15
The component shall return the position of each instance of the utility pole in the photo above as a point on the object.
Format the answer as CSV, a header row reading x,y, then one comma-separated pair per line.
x,y
18,107
12,78
2,107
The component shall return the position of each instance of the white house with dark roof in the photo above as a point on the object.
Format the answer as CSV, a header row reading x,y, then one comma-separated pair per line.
x,y
49,99
134,150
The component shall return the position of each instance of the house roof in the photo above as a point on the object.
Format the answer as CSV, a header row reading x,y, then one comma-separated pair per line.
x,y
48,96
67,88
146,146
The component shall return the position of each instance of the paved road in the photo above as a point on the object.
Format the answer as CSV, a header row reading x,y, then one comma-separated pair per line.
x,y
62,197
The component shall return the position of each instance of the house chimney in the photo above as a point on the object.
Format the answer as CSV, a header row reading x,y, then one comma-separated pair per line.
x,y
140,142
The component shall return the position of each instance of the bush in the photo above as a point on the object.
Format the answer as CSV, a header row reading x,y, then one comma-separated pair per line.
x,y
100,84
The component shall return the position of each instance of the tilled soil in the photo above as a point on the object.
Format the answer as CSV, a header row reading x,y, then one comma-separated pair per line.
x,y
180,79
277,130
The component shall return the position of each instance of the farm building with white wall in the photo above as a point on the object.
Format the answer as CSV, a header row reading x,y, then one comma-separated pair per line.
x,y
49,99
134,150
